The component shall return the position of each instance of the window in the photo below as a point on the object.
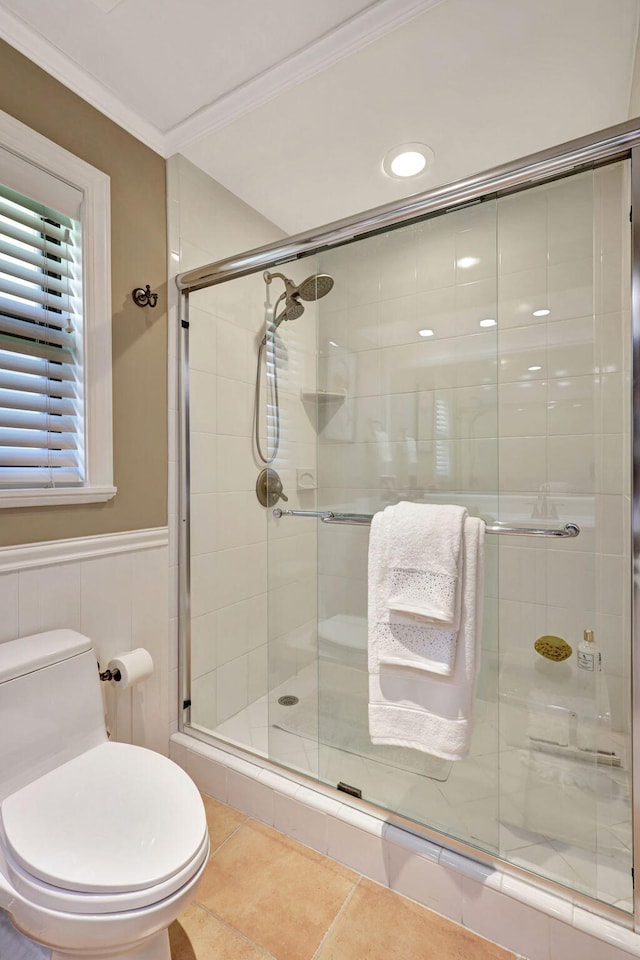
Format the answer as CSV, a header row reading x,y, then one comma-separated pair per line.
x,y
55,324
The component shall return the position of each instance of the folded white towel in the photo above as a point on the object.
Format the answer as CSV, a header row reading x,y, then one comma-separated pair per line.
x,y
423,544
410,705
415,554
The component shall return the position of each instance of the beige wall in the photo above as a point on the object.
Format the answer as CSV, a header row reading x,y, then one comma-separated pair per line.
x,y
138,251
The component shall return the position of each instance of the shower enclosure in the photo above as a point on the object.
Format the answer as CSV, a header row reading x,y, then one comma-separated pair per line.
x,y
474,347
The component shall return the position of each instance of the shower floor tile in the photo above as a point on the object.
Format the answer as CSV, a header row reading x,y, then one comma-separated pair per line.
x,y
266,896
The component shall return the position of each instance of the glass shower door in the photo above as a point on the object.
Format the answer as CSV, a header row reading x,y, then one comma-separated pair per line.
x,y
477,358
410,338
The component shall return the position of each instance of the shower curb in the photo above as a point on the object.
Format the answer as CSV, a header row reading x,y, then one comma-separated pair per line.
x,y
533,922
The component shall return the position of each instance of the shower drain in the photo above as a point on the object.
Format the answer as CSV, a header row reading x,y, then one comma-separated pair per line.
x,y
288,701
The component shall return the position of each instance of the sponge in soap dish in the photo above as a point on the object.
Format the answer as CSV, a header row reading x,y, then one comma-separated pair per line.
x,y
553,648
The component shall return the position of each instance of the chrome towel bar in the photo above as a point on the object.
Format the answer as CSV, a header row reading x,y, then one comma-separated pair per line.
x,y
363,519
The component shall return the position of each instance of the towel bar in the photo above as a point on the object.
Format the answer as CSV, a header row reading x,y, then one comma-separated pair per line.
x,y
363,519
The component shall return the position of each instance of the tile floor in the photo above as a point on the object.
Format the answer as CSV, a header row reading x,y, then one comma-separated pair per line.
x,y
265,896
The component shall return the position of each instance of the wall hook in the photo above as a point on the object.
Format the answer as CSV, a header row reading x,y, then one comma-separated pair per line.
x,y
144,298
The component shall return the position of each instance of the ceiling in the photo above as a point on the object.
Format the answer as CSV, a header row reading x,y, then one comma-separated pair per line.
x,y
292,104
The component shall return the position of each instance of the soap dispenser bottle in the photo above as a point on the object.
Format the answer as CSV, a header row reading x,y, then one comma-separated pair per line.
x,y
594,712
589,656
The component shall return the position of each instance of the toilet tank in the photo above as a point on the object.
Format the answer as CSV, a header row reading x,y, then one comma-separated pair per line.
x,y
50,705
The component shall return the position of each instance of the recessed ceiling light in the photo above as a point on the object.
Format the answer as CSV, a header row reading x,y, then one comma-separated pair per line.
x,y
489,322
408,164
534,368
425,333
466,262
541,313
408,160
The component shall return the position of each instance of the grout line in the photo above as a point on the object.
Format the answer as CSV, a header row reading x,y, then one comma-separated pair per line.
x,y
237,932
337,917
217,850
460,924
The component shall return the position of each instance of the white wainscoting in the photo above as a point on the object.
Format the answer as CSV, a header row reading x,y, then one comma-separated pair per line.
x,y
114,589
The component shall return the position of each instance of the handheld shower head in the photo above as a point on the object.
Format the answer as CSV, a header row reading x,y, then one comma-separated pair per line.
x,y
312,288
293,309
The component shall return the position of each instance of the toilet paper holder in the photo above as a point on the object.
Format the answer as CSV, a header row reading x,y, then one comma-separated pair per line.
x,y
128,668
109,674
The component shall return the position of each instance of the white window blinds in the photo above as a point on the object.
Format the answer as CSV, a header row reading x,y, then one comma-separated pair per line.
x,y
41,341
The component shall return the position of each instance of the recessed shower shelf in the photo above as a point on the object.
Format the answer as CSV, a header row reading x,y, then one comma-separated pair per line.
x,y
322,405
323,396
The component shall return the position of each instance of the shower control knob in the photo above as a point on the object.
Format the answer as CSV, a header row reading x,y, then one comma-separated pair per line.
x,y
269,488
277,491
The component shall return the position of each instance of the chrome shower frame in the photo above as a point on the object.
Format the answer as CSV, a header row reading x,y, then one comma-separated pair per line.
x,y
621,142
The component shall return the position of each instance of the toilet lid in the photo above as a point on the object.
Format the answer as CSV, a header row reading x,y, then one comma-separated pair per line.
x,y
116,818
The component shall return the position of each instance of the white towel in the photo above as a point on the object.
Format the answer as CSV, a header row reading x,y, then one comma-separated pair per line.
x,y
410,705
423,544
415,555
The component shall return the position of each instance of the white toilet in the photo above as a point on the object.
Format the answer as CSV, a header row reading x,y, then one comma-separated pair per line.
x,y
101,844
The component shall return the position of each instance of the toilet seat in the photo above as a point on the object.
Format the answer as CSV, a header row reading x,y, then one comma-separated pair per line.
x,y
117,828
68,901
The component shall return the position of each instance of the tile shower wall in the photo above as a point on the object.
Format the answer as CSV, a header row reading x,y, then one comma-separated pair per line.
x,y
563,390
493,399
418,419
230,621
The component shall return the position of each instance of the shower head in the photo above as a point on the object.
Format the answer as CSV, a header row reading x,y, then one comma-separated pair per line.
x,y
313,288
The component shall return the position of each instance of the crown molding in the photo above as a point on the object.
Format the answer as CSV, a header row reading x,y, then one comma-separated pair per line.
x,y
47,56
349,37
352,35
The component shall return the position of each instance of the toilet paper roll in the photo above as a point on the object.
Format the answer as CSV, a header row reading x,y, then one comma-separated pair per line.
x,y
134,666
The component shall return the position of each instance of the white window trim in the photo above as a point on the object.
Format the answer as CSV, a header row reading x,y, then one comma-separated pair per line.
x,y
96,256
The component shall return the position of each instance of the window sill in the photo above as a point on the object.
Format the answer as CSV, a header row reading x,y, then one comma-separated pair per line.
x,y
55,496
